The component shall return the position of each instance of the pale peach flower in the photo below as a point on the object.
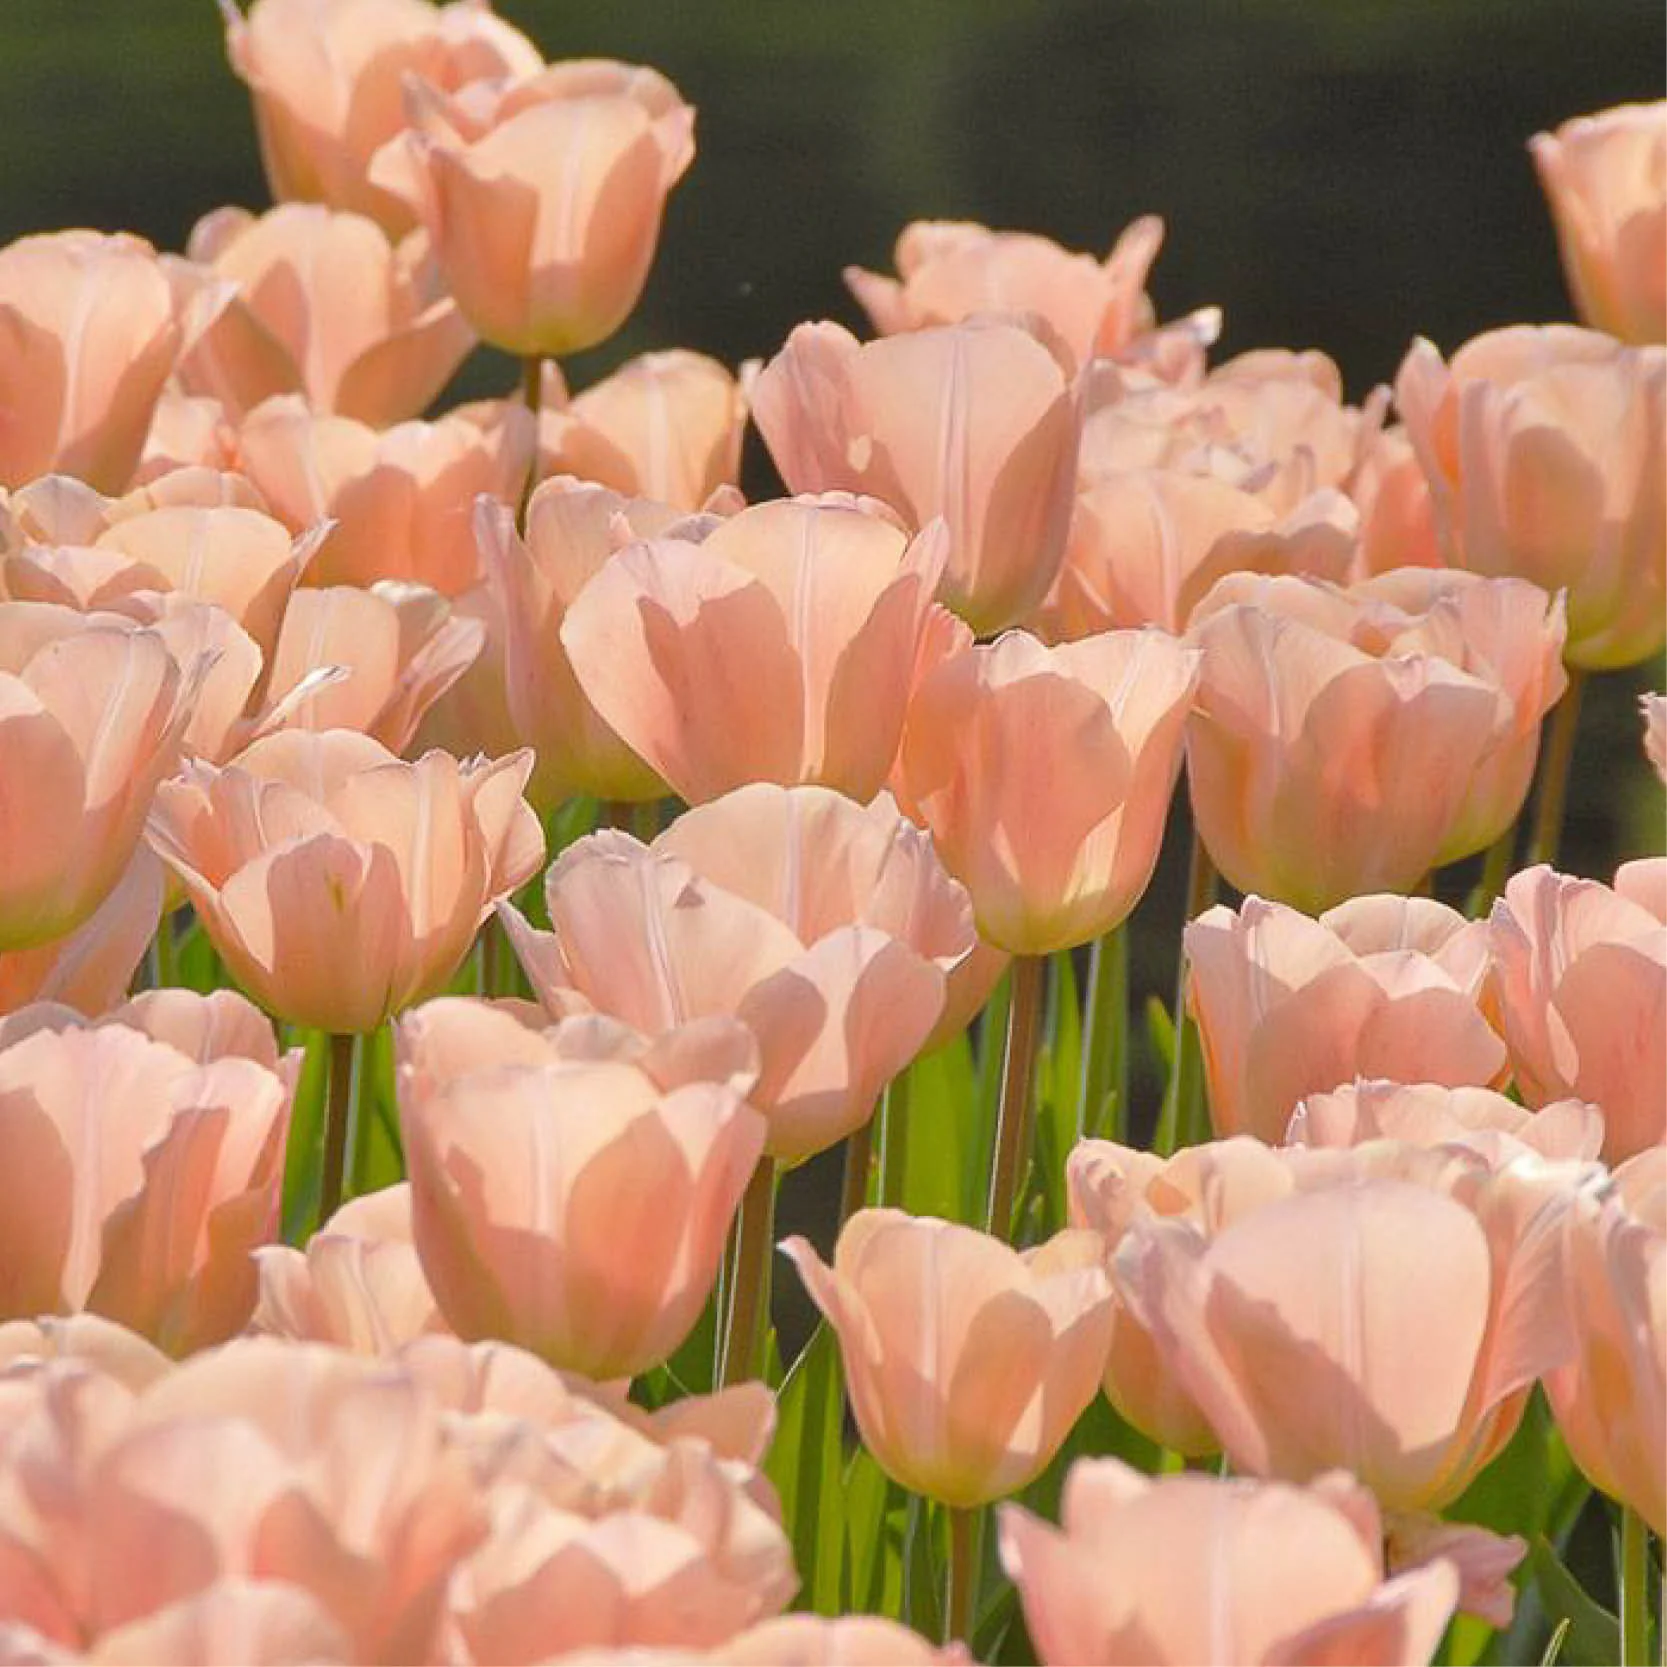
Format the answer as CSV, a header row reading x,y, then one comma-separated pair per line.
x,y
665,426
90,1339
327,307
1546,457
545,261
473,714
402,499
1186,1569
1605,177
338,883
775,646
187,431
827,928
1580,975
836,1641
1397,518
90,333
1380,986
976,422
326,78
966,1361
1045,775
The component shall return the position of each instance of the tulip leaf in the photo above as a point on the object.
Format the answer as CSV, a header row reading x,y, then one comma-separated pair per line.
x,y
690,1368
806,1462
922,1569
944,1163
1593,1634
1160,1032
304,1155
871,1581
1059,1113
1524,1488
186,958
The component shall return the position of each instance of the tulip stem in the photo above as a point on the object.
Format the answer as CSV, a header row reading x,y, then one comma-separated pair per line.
x,y
1554,772
532,391
859,1159
336,1119
1018,1068
960,1584
1496,869
1182,1121
749,1303
1635,1589
894,1139
1105,1044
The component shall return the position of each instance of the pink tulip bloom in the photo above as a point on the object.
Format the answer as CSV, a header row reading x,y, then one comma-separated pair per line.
x,y
827,928
1193,1568
153,1177
92,710
1546,457
338,883
839,1641
665,426
975,422
1580,977
1605,178
402,500
90,336
327,307
545,261
186,431
527,1176
326,80
1397,517
966,1361
473,714
30,1347
775,646
1287,1006
1045,775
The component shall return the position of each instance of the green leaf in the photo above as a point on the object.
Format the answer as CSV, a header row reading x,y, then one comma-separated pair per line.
x,y
872,1546
692,1365
1593,1637
943,1168
1518,1492
922,1570
195,966
1160,1033
304,1155
1059,1114
806,1462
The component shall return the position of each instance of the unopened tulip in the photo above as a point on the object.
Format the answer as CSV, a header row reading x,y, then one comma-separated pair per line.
x,y
1045,775
151,1179
1611,1398
547,261
1580,973
402,500
1183,1569
967,1362
326,80
827,928
90,334
975,422
92,709
1340,736
665,426
325,307
775,647
1605,177
1546,456
338,883
526,1177
1380,986
1654,708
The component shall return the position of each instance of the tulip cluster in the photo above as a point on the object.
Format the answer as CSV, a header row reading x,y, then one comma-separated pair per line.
x,y
416,1303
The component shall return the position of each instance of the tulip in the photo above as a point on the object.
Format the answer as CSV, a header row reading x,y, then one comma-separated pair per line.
x,y
1381,986
1045,775
839,1641
90,336
775,647
402,500
520,1173
547,261
974,422
30,1347
152,1178
1654,709
1397,518
1580,975
826,928
1545,453
325,77
1605,177
326,307
967,1362
472,716
186,431
1339,734
665,426
91,714
1193,1568
338,883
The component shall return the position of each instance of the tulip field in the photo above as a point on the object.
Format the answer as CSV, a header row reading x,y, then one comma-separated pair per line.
x,y
464,869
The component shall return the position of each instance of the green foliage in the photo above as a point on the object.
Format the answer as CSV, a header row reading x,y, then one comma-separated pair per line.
x,y
806,1462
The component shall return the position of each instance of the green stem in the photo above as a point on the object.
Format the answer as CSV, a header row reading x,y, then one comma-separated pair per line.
x,y
1496,869
1183,1122
167,952
960,1606
645,820
532,391
749,1303
1635,1589
491,956
1554,772
1105,1044
894,1139
336,1118
1017,1082
859,1159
